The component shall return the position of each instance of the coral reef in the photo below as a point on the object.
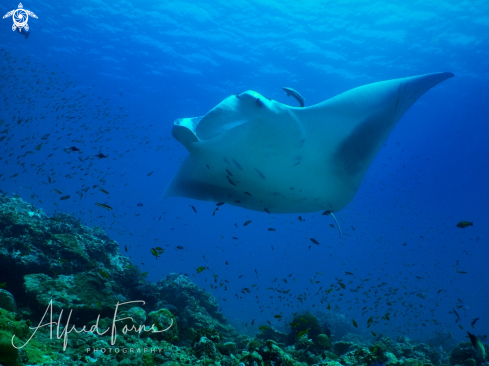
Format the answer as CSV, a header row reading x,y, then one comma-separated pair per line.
x,y
57,264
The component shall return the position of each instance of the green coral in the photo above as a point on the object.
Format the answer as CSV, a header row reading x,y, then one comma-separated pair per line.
x,y
342,347
163,319
304,322
9,356
196,334
413,362
35,351
70,248
254,344
323,342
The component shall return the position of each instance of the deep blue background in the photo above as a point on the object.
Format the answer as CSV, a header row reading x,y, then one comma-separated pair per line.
x,y
112,77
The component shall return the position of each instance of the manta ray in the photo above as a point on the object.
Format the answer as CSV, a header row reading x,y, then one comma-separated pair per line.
x,y
260,154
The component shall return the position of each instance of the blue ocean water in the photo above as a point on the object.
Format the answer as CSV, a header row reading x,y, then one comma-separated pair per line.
x,y
111,77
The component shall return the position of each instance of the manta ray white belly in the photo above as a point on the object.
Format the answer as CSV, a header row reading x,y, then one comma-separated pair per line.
x,y
260,154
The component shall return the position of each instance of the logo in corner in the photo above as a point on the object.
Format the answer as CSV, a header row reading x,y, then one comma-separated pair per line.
x,y
20,17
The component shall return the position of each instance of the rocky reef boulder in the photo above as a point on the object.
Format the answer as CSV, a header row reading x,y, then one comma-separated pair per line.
x,y
304,323
87,294
197,307
7,301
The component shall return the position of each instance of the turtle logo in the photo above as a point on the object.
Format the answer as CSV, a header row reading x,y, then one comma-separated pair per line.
x,y
20,17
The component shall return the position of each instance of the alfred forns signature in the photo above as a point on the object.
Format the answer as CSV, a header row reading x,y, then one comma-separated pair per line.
x,y
94,328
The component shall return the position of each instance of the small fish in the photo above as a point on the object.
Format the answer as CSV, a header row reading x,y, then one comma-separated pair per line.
x,y
237,164
139,205
103,191
461,272
193,208
375,335
264,328
101,156
473,322
220,203
200,269
125,248
464,224
150,173
260,174
38,147
271,229
156,252
73,148
268,212
295,94
302,333
478,346
354,323
342,285
294,324
179,247
249,194
103,205
247,223
314,240
327,212
65,197
214,212
277,316
3,285
456,314
104,274
59,192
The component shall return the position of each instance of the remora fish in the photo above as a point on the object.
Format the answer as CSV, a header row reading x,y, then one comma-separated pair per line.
x,y
295,94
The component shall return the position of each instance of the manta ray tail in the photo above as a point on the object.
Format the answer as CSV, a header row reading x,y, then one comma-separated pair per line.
x,y
337,225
